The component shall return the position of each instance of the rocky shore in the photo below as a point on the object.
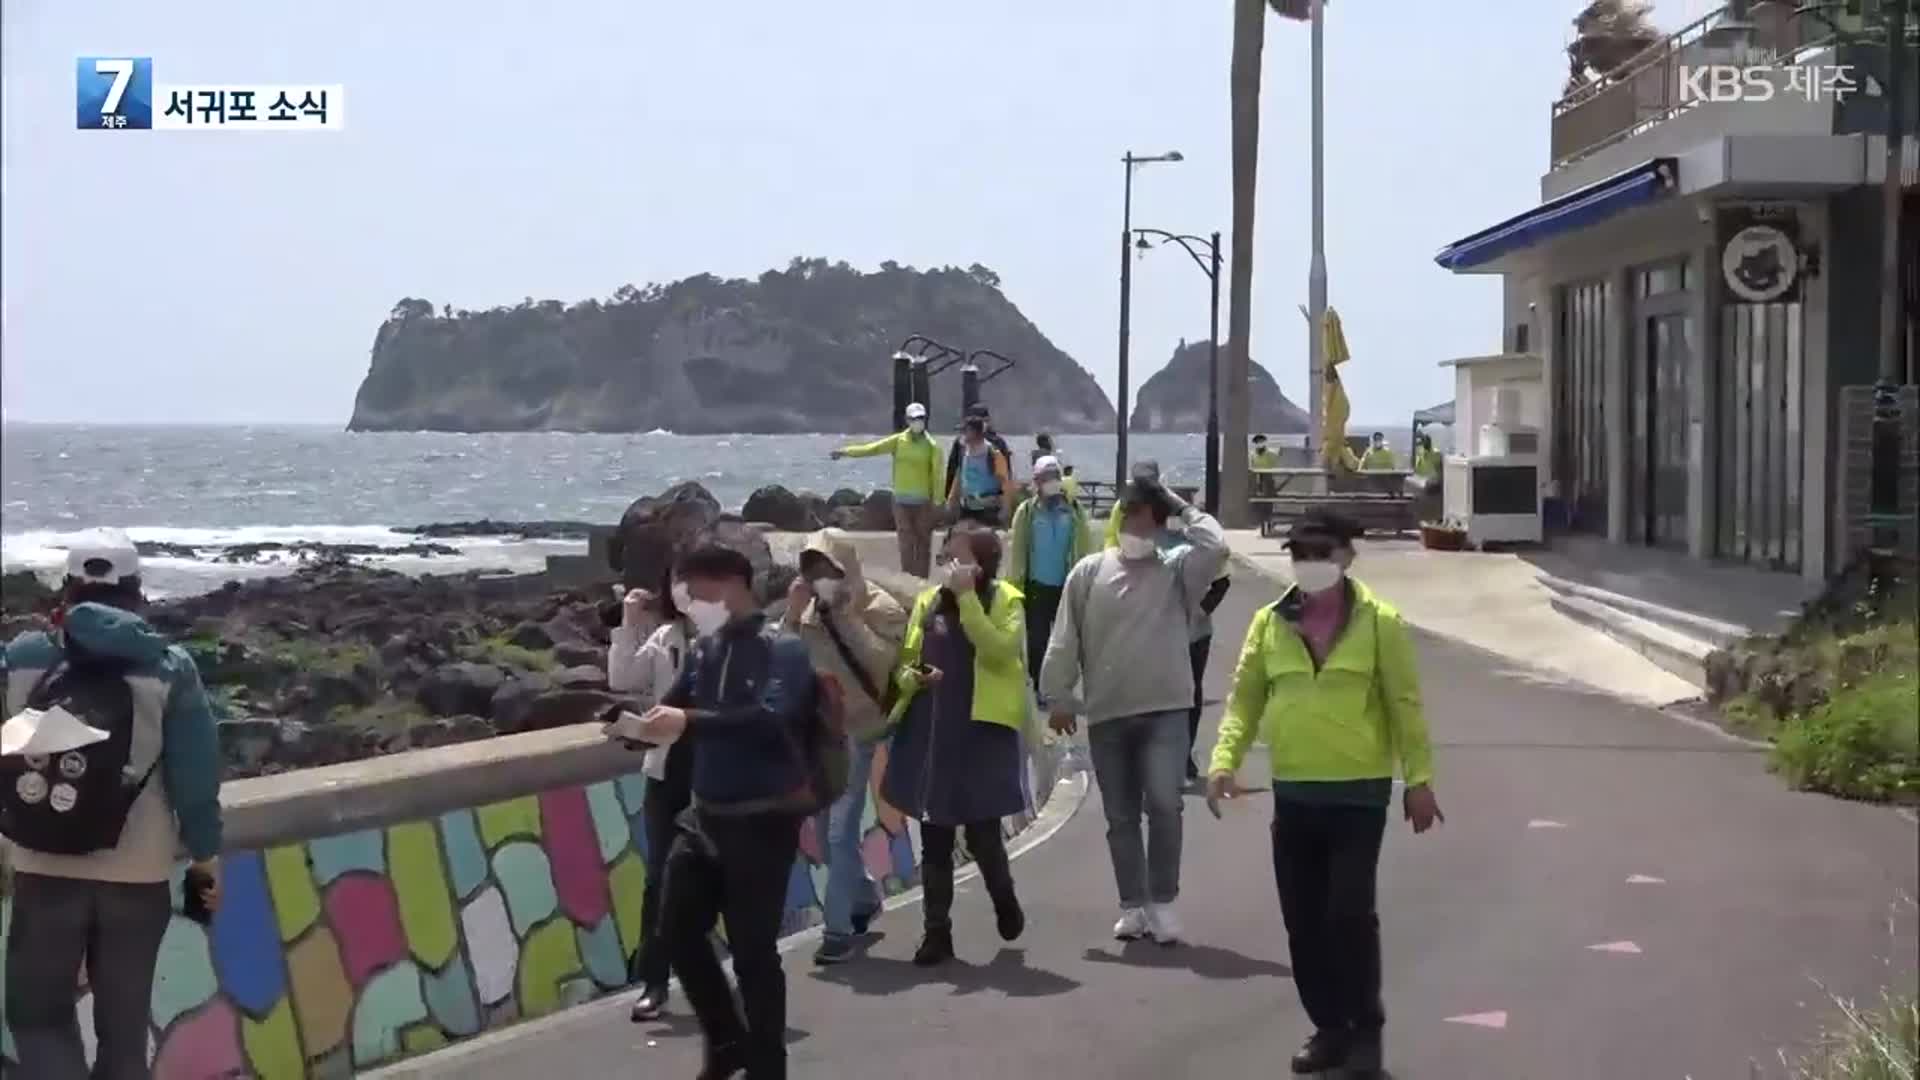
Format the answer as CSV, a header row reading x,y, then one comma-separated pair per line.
x,y
338,661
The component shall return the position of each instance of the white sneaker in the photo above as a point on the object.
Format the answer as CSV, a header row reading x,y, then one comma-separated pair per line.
x,y
1132,925
1163,924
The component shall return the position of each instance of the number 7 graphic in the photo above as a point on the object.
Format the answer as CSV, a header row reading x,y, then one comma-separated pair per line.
x,y
122,72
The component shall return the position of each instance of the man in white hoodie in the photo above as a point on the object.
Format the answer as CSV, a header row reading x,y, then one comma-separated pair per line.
x,y
1122,634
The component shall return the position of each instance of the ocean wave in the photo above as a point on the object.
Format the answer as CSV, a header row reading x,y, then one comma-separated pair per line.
x,y
46,549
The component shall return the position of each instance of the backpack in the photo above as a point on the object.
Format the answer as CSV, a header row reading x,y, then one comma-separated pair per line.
x,y
824,750
77,802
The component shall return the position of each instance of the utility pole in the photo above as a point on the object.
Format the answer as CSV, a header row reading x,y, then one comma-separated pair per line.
x,y
1317,269
1885,515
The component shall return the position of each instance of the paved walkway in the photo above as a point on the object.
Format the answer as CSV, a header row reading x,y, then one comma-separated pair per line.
x,y
1614,894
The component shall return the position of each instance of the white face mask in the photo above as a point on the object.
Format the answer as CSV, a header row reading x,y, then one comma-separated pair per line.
x,y
1049,488
1318,575
829,590
682,597
916,426
707,615
1137,547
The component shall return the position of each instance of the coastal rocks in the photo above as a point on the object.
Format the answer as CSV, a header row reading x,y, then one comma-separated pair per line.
x,y
559,708
655,530
876,511
461,687
783,509
525,530
514,699
23,593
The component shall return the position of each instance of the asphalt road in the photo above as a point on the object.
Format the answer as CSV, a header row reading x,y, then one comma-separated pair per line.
x,y
1561,805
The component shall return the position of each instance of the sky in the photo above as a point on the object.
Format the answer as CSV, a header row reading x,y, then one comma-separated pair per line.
x,y
498,149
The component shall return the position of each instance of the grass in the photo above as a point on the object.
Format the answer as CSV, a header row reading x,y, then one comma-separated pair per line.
x,y
322,657
392,716
1862,743
498,650
1881,1043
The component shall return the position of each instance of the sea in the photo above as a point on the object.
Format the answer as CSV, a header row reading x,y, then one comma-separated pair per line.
x,y
209,488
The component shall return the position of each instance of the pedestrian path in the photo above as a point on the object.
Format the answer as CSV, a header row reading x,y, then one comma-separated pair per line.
x,y
1614,894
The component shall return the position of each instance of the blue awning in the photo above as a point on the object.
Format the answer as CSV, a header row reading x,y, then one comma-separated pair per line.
x,y
1575,210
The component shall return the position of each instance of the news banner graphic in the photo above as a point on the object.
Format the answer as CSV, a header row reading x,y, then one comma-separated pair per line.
x,y
119,94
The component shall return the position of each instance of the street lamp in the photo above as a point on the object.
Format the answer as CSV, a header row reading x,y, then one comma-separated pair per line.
x,y
1210,266
1126,298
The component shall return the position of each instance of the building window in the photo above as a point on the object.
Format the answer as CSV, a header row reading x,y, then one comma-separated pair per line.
x,y
1660,279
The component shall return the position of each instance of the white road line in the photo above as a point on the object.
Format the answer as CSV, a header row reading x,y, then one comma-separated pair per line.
x,y
1495,1020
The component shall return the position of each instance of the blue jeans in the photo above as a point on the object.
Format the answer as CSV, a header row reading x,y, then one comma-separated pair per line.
x,y
849,889
1140,764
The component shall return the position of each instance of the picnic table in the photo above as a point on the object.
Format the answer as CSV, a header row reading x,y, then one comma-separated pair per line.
x,y
1378,499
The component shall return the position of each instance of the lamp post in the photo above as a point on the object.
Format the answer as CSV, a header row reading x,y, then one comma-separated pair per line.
x,y
1317,266
1885,485
1210,266
1126,298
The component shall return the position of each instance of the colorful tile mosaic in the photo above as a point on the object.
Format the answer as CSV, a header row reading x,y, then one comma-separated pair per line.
x,y
336,955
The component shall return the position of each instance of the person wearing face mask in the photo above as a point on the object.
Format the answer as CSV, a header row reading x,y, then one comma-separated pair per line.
x,y
979,485
649,648
1050,534
1378,455
748,700
955,761
1329,680
853,630
917,487
1122,635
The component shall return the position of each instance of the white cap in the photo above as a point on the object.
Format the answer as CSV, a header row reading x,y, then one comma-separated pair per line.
x,y
1045,464
103,557
916,411
54,731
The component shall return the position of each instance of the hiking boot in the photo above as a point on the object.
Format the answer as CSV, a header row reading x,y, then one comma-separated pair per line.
x,y
1164,926
650,1004
936,948
1324,1051
1365,1057
1132,925
834,948
1011,921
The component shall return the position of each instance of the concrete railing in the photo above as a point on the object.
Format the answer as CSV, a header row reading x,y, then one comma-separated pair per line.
x,y
391,906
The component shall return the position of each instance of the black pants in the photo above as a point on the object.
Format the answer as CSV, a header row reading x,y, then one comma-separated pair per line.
x,y
736,869
1042,606
989,850
117,929
1326,861
651,963
1197,653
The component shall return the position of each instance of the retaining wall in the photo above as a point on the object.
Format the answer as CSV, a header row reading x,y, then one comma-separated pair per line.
x,y
391,906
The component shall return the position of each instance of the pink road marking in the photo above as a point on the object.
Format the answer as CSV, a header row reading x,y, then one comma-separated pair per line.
x,y
1627,947
1495,1020
1543,823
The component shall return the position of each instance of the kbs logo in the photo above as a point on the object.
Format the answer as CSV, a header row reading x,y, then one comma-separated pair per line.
x,y
1764,82
114,93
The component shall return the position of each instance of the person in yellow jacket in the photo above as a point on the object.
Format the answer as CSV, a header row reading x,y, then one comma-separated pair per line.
x,y
1379,455
1329,681
917,486
955,762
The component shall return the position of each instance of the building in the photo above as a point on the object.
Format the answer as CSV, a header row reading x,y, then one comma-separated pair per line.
x,y
1702,275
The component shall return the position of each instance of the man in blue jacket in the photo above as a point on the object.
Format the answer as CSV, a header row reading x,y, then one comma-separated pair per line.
x,y
746,698
104,683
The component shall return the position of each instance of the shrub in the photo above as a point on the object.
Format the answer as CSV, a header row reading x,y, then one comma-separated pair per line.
x,y
1862,743
1874,1044
500,651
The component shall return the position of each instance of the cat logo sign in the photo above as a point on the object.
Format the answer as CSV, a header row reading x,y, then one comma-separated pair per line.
x,y
1760,264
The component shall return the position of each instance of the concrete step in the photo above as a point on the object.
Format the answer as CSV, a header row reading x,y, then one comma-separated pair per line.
x,y
1679,653
1716,633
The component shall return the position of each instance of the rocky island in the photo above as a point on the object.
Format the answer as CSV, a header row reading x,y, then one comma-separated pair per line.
x,y
804,349
1174,400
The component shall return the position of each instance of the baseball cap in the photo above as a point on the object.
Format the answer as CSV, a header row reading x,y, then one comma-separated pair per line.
x,y
103,557
916,411
1046,463
1324,527
978,409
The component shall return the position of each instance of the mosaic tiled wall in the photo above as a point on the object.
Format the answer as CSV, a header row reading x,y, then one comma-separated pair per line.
x,y
335,955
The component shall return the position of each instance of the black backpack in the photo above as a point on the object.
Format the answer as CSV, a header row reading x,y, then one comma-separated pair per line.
x,y
77,802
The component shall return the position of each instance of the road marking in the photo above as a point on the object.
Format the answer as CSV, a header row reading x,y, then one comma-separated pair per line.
x,y
1495,1020
1643,879
1543,823
1627,947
